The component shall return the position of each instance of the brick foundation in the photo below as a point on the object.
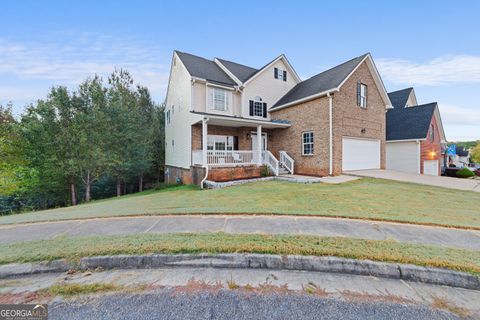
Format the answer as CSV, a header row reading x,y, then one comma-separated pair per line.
x,y
234,173
175,175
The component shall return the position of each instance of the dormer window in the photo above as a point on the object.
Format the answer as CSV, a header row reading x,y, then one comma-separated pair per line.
x,y
280,74
258,108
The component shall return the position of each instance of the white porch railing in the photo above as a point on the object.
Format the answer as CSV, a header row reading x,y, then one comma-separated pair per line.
x,y
227,158
286,161
236,157
269,159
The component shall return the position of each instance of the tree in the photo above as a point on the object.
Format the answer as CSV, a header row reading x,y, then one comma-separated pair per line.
x,y
475,153
122,137
92,127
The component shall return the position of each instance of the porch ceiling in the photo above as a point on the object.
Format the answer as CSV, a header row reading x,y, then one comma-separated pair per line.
x,y
229,121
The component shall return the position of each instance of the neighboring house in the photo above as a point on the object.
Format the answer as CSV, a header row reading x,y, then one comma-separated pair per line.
x,y
232,119
461,158
415,136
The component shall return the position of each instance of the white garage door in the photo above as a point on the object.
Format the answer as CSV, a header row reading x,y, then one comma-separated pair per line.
x,y
359,154
403,156
430,167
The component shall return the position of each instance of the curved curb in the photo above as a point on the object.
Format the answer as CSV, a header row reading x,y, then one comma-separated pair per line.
x,y
405,272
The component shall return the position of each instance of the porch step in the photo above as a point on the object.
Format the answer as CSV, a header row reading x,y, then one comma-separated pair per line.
x,y
282,171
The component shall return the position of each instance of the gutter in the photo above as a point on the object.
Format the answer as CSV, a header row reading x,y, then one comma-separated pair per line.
x,y
330,133
204,163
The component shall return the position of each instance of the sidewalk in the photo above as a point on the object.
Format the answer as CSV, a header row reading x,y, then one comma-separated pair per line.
x,y
318,226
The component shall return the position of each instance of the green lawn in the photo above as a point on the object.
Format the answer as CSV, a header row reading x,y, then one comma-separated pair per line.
x,y
365,198
73,249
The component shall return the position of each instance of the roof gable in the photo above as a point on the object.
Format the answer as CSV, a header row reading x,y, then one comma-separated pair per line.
x,y
331,80
410,123
204,69
399,98
265,67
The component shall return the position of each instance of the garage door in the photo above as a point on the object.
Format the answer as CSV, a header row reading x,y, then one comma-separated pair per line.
x,y
359,154
430,167
403,156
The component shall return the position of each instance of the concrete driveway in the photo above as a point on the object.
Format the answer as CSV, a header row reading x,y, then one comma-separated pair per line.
x,y
445,182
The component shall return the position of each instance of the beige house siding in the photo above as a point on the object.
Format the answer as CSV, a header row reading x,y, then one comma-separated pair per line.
x,y
200,104
348,121
267,87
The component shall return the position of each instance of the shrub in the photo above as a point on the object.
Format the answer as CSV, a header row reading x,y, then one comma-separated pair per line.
x,y
265,171
465,173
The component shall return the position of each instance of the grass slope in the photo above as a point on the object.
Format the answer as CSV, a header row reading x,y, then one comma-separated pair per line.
x,y
75,248
365,198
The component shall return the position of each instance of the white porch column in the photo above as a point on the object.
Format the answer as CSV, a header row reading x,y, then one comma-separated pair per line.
x,y
259,144
204,141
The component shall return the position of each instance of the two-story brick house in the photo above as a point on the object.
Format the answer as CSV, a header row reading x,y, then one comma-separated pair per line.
x,y
226,121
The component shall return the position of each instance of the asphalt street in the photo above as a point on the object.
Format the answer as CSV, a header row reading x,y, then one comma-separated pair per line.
x,y
228,305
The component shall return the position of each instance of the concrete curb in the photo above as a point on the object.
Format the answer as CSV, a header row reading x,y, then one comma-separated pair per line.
x,y
258,261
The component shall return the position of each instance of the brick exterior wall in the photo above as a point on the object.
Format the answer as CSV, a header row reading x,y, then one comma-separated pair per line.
x,y
194,175
219,174
427,147
348,120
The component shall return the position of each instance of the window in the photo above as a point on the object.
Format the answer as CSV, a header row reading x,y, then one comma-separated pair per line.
x,y
173,110
307,143
258,108
168,117
219,99
431,133
361,95
280,74
220,143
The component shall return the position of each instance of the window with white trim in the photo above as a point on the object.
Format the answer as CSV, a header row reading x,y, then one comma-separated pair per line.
x,y
258,108
219,143
307,143
218,99
361,95
168,117
280,74
431,133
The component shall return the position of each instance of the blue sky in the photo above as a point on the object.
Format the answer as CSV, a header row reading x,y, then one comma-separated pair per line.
x,y
431,45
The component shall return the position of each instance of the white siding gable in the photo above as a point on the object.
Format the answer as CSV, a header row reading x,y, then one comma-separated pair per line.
x,y
264,85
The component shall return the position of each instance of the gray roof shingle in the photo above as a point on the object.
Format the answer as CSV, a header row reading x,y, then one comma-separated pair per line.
x,y
321,82
409,123
242,72
204,69
399,98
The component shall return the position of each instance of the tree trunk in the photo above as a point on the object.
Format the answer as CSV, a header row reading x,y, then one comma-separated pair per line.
x,y
119,187
88,183
140,183
73,194
124,187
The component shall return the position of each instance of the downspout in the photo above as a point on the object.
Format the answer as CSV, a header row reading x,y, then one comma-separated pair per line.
x,y
204,149
330,145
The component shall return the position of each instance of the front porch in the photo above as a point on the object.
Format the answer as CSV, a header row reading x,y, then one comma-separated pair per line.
x,y
221,143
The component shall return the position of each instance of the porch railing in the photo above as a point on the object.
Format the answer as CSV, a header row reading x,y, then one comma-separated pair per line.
x,y
237,157
286,161
226,158
269,159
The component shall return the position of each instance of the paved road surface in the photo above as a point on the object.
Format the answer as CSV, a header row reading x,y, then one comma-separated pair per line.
x,y
205,293
231,305
320,226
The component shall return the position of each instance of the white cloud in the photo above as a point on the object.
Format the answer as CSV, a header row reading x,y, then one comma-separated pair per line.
x,y
456,115
68,60
439,71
